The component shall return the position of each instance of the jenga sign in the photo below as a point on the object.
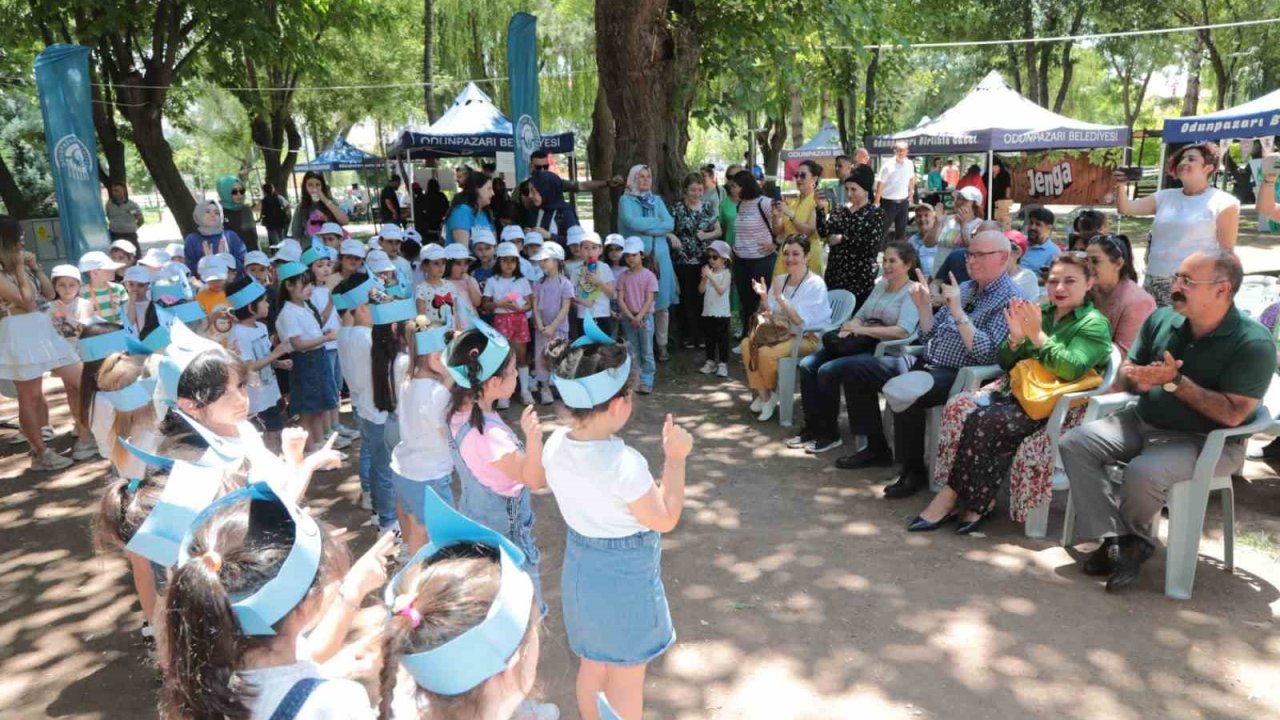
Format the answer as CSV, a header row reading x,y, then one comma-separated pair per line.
x,y
1058,179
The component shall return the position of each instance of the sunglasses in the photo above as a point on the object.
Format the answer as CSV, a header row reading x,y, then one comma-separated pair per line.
x,y
237,191
541,167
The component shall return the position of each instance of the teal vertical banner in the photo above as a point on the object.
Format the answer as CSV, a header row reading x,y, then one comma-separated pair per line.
x,y
522,72
62,82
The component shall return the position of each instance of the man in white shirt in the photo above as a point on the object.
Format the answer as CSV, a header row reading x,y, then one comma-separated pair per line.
x,y
895,186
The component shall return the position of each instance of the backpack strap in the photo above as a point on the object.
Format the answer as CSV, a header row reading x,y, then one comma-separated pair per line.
x,y
293,701
768,224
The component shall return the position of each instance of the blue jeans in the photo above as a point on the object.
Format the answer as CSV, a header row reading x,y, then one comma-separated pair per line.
x,y
640,344
375,469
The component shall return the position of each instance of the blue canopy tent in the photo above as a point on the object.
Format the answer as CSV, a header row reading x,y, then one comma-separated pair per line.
x,y
473,126
1257,118
341,155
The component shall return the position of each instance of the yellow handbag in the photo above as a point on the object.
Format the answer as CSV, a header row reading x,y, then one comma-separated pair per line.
x,y
1038,389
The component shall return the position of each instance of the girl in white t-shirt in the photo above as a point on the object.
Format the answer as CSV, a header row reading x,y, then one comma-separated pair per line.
x,y
321,267
68,311
715,286
250,340
508,295
615,605
312,392
421,459
465,289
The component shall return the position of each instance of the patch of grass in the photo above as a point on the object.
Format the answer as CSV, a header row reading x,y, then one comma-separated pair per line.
x,y
1263,542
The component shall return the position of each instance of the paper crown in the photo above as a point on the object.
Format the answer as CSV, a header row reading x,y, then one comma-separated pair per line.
x,y
98,347
173,285
132,396
482,651
155,341
604,709
188,311
394,311
359,295
290,270
432,339
189,489
184,346
282,593
246,295
491,359
587,392
314,253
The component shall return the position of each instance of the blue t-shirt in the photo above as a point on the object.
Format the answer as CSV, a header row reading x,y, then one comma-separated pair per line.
x,y
463,217
1038,256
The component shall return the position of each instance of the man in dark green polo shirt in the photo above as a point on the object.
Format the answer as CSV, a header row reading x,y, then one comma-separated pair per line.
x,y
1197,366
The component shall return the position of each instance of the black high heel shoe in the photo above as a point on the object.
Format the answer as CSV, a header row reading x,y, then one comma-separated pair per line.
x,y
972,526
919,524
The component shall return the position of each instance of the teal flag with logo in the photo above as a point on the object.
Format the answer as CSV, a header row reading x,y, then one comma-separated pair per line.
x,y
62,82
522,72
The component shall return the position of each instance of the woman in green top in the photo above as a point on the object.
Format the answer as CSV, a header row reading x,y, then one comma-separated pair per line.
x,y
729,221
1069,336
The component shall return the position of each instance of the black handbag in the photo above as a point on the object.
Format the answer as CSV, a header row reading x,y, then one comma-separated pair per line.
x,y
837,346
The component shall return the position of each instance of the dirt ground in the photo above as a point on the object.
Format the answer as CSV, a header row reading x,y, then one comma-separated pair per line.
x,y
795,590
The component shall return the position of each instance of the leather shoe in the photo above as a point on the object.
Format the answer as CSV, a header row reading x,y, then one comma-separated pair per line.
x,y
907,484
1103,560
969,527
919,524
1133,552
864,458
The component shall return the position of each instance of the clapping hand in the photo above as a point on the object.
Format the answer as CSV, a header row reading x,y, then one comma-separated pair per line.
x,y
1157,373
1029,317
760,288
1014,322
531,423
677,443
951,293
919,293
964,213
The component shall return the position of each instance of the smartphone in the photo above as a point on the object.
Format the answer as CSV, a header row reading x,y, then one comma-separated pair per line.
x,y
1132,174
1271,165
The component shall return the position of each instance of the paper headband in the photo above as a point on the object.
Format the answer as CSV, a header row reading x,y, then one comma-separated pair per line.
x,y
184,346
282,593
180,289
155,341
246,295
432,339
587,392
359,295
290,270
394,311
314,254
188,312
484,650
189,489
132,396
99,347
491,359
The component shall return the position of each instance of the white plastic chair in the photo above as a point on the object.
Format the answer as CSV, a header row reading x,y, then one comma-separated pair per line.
x,y
1257,292
1037,524
842,303
1187,500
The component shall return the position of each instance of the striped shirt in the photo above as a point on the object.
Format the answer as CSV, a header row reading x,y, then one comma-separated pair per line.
x,y
106,302
753,236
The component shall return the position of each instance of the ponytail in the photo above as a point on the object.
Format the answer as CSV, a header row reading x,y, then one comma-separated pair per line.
x,y
122,510
204,647
383,360
464,352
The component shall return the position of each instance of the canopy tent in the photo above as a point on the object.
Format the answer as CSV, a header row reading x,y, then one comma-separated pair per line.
x,y
341,155
472,126
822,147
993,116
1259,117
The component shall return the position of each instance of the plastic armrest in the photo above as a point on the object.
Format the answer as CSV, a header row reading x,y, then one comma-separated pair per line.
x,y
1107,404
884,346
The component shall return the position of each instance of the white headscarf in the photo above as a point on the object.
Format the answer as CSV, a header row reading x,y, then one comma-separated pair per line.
x,y
633,180
198,216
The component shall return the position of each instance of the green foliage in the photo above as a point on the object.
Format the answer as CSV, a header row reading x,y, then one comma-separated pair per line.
x,y
23,147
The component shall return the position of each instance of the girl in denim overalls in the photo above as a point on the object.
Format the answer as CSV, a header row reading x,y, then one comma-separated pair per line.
x,y
496,470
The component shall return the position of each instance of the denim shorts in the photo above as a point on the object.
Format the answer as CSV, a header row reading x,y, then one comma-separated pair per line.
x,y
411,494
510,516
312,390
615,606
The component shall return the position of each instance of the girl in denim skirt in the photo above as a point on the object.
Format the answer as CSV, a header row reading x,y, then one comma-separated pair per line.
x,y
495,470
615,605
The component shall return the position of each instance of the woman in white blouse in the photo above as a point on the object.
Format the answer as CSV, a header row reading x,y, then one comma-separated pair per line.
x,y
798,297
1188,219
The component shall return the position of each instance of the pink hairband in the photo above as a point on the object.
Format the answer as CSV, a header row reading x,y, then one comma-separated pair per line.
x,y
414,616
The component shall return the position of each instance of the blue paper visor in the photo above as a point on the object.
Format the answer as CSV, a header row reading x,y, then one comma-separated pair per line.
x,y
587,392
394,311
188,489
359,295
154,342
98,347
246,295
132,396
266,606
187,312
491,359
290,270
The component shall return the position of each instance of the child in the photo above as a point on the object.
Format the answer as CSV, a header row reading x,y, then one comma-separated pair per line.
x,y
251,341
639,290
380,266
69,312
613,253
467,296
532,243
593,284
312,392
106,297
508,296
482,245
351,255
213,275
154,260
331,235
390,239
137,283
97,342
125,505
552,298
120,383
123,252
244,663
573,250
615,514
229,262
421,458
496,473
317,261
434,285
714,286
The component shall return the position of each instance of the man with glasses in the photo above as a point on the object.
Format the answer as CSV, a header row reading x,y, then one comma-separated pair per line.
x,y
1197,366
965,331
895,186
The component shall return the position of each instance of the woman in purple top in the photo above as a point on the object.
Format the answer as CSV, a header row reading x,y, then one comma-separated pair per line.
x,y
210,238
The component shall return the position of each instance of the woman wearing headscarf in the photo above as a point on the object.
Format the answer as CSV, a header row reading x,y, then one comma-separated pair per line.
x,y
211,238
550,213
854,233
237,211
315,208
643,214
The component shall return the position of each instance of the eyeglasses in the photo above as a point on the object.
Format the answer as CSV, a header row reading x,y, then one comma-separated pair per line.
x,y
802,176
974,255
1185,279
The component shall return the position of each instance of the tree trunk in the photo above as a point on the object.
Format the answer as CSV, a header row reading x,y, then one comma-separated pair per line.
x,y
1191,99
14,203
840,126
1068,64
157,155
1029,53
279,140
771,140
428,47
797,117
1221,75
824,107
1017,69
600,151
869,104
112,169
647,56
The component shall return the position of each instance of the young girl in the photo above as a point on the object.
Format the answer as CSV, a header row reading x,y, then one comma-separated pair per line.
x,y
137,283
321,267
714,286
124,506
105,296
120,384
496,473
552,298
593,285
421,458
434,285
482,244
508,297
467,296
638,289
311,387
573,248
68,311
251,341
251,579
613,253
615,605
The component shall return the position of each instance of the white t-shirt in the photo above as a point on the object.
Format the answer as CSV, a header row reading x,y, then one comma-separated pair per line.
x,y
1184,224
1028,284
355,356
809,299
296,321
716,304
895,178
594,482
423,451
334,699
319,299
104,416
600,305
254,344
500,288
426,292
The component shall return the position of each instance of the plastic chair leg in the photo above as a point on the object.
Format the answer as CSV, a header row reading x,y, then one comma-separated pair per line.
x,y
1069,523
933,426
786,391
1229,528
1037,525
1186,521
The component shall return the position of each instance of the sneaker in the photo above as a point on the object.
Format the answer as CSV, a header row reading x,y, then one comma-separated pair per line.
x,y
722,370
526,397
800,440
49,461
756,405
821,446
736,349
531,709
346,431
502,404
708,367
84,450
645,389
366,501
545,396
341,443
768,408
47,433
663,355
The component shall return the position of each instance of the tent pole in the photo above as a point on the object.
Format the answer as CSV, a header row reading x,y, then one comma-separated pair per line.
x,y
991,158
1160,176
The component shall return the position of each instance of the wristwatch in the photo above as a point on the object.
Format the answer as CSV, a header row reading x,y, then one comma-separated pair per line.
x,y
1172,385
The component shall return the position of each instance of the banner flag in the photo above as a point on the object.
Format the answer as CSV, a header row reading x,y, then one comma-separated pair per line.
x,y
522,73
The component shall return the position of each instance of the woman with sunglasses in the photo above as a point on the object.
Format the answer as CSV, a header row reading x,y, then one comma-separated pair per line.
x,y
800,217
237,210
